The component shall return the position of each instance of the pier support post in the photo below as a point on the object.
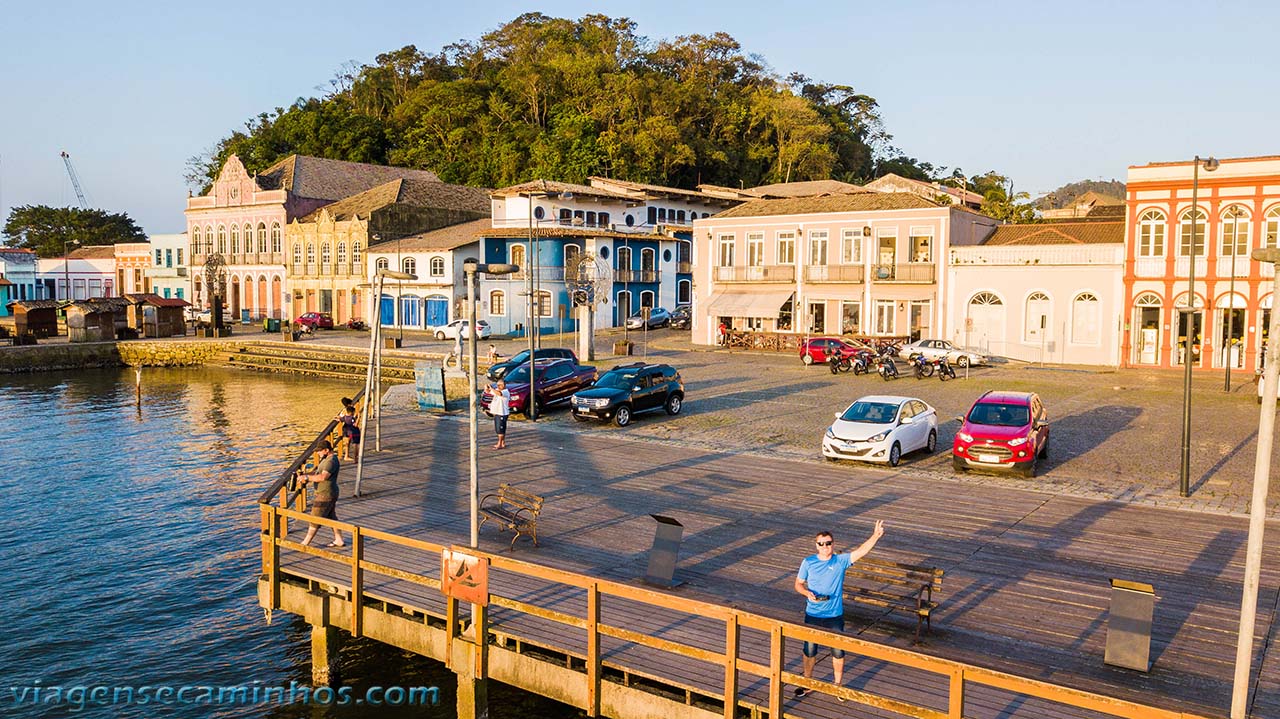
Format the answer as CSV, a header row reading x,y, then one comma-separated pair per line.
x,y
473,688
324,655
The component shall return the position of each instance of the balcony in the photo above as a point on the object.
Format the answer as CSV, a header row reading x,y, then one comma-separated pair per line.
x,y
636,275
685,267
920,272
551,274
1150,267
1243,265
833,273
1182,266
756,273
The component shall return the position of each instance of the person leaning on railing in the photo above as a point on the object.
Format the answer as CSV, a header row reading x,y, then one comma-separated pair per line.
x,y
325,479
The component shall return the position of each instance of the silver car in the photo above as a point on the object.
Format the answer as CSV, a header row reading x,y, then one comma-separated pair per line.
x,y
935,349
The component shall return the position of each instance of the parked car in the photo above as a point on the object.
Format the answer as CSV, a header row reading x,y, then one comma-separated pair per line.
x,y
205,316
628,389
1003,431
315,320
881,428
658,317
936,349
818,349
498,369
682,317
460,327
557,381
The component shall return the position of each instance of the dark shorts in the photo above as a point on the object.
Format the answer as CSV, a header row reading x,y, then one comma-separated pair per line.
x,y
325,509
500,423
833,623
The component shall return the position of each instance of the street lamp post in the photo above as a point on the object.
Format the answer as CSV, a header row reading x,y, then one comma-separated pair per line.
x,y
1184,473
531,409
471,267
66,266
373,376
1232,214
1258,505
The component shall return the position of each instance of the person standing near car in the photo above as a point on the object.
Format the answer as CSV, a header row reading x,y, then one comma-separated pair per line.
x,y
821,582
500,408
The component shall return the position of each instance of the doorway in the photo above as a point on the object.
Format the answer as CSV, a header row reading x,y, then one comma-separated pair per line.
x,y
1231,338
918,320
1197,327
818,317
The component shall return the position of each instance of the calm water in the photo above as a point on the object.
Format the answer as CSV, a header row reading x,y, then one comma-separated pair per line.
x,y
129,544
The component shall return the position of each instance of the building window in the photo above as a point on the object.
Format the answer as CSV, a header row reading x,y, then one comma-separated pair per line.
x,y
158,258
646,299
356,248
571,255
1148,299
179,256
885,317
851,247
1085,319
195,241
437,267
208,240
248,238
684,251
1151,234
1037,318
539,212
517,256
653,215
222,239
497,303
168,257
297,253
326,253
623,259
1271,236
755,249
818,247
921,240
275,237
726,251
684,292
566,216
662,218
311,253
850,315
382,264
342,253
647,259
262,237
1187,225
680,216
409,265
544,303
1234,235
602,219
235,239
786,248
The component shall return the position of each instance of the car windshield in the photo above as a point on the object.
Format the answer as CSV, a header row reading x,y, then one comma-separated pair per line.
x,y
518,375
616,380
871,412
1000,415
522,357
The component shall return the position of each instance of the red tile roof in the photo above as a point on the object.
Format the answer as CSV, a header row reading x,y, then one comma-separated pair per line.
x,y
1058,233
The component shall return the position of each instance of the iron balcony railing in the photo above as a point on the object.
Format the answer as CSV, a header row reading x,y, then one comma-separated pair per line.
x,y
636,275
756,273
834,273
904,272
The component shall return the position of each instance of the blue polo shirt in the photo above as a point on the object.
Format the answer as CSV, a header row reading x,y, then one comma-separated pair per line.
x,y
825,579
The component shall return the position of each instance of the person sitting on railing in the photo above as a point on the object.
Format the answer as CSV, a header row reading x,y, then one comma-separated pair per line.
x,y
325,479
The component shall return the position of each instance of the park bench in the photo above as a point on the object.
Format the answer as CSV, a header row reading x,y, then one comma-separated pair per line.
x,y
513,509
895,586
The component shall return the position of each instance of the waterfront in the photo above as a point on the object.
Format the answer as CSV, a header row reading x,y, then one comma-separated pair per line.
x,y
130,542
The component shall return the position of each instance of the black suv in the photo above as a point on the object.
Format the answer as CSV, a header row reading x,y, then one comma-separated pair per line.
x,y
627,389
682,317
499,369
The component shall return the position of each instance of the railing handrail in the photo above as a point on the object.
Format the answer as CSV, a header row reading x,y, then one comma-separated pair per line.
x,y
286,475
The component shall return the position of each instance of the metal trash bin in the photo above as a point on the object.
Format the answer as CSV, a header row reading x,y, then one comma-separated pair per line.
x,y
271,324
665,552
623,347
1129,625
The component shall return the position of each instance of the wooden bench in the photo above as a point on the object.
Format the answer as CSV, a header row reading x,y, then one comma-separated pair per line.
x,y
513,509
896,586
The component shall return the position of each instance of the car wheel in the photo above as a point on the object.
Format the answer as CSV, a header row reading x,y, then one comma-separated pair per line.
x,y
674,403
958,464
932,444
623,416
1029,470
963,361
806,358
895,454
1044,449
439,335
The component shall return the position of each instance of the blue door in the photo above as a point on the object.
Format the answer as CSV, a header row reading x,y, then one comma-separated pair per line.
x,y
388,310
437,311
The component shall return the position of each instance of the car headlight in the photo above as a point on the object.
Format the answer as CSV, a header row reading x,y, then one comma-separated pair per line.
x,y
964,437
1017,441
831,433
879,437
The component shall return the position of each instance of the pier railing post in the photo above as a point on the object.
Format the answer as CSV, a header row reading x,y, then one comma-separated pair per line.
x,y
357,582
731,666
955,700
593,650
776,662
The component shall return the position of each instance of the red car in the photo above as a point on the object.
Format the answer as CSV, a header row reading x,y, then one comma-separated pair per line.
x,y
819,349
1002,431
558,380
316,320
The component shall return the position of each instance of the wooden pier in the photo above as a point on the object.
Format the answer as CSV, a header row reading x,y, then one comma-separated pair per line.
x,y
1019,632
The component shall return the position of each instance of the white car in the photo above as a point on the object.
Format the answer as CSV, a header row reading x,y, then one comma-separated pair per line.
x,y
934,349
459,327
882,428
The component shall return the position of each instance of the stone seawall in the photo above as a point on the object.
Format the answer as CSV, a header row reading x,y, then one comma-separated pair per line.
x,y
52,357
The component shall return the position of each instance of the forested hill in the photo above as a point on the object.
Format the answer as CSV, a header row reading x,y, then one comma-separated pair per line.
x,y
566,99
1066,194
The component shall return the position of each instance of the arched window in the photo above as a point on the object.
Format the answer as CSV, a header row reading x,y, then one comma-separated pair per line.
x,y
297,253
571,255
1234,235
544,304
342,253
1188,225
684,292
1151,234
1181,301
1036,325
262,237
517,256
195,241
497,303
623,259
382,264
235,239
1147,299
646,299
311,253
248,238
1086,315
437,267
275,237
326,254
1271,235
680,216
222,239
355,252
603,219
646,260
409,265
985,298
208,240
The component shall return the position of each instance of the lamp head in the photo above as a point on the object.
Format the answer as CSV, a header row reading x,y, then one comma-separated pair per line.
x,y
1210,164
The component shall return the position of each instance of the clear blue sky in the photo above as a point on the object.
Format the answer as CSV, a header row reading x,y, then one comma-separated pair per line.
x,y
132,89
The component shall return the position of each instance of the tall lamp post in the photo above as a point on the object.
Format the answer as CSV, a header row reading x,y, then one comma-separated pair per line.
x,y
373,377
535,317
471,267
66,266
1258,505
1184,473
1232,215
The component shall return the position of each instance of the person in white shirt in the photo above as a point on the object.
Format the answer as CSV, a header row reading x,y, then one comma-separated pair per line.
x,y
500,407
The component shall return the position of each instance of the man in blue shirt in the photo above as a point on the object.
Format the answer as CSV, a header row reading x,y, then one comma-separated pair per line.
x,y
821,581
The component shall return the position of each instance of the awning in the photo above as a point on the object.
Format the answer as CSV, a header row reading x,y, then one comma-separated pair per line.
x,y
746,303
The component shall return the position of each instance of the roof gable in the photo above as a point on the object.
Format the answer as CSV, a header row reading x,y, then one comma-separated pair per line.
x,y
320,178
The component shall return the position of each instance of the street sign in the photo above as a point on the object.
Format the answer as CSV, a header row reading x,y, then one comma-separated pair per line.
x,y
465,577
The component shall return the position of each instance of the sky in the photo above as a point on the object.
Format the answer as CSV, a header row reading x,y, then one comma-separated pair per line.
x,y
1045,93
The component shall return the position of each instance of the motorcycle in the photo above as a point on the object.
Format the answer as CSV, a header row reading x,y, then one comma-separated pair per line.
x,y
357,325
921,366
886,367
840,363
945,371
861,363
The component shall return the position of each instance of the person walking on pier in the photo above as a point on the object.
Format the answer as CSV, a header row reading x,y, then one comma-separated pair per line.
x,y
350,433
821,581
325,479
500,407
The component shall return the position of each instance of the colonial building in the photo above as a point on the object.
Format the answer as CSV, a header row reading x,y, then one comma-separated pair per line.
x,y
437,297
1091,205
1040,293
243,218
133,259
327,246
1237,210
169,274
865,262
91,272
18,279
929,190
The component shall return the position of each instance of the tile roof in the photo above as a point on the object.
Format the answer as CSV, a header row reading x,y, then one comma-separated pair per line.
x,y
561,188
155,300
319,178
544,232
99,304
1220,159
1058,233
445,238
408,191
864,202
809,188
35,304
654,190
95,252
16,251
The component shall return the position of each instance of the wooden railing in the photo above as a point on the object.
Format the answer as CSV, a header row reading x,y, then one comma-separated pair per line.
x,y
958,677
279,487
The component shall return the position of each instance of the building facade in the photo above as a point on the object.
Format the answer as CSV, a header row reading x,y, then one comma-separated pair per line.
x,y
169,273
86,273
18,277
1041,293
133,259
1224,318
864,263
438,296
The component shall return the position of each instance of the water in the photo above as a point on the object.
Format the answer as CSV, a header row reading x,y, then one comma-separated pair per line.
x,y
129,544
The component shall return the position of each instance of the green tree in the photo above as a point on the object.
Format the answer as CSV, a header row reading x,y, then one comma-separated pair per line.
x,y
45,229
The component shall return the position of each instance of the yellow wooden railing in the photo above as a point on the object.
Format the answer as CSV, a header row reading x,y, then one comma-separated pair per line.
x,y
960,677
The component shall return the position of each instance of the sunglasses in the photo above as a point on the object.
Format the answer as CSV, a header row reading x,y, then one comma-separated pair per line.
x,y
827,543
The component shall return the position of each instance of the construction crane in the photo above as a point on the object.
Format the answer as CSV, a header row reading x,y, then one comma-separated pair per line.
x,y
75,181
